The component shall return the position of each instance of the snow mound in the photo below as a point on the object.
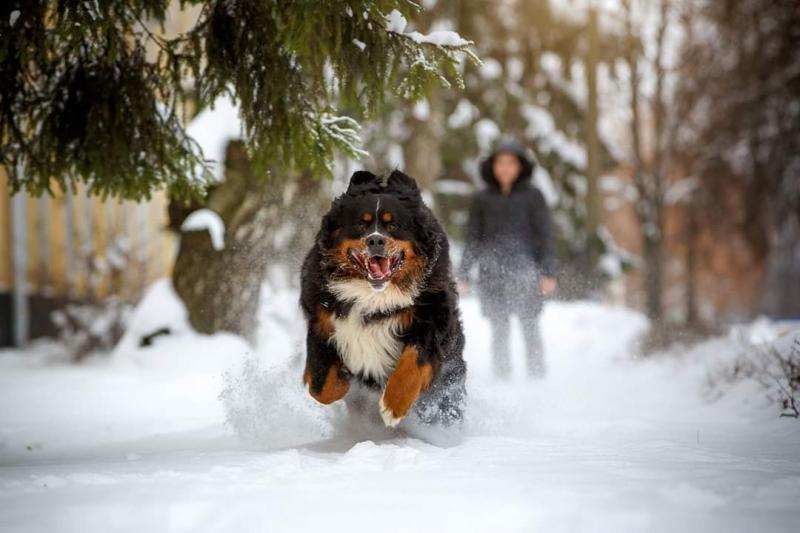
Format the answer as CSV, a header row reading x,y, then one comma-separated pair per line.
x,y
159,308
207,220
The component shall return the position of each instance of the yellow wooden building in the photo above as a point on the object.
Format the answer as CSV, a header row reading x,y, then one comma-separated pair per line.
x,y
72,248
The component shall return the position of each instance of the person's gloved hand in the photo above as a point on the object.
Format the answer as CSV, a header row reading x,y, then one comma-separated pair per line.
x,y
463,287
547,285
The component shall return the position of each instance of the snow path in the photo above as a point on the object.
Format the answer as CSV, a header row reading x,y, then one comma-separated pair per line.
x,y
602,444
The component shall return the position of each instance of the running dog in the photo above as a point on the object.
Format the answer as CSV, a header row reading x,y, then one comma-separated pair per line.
x,y
381,304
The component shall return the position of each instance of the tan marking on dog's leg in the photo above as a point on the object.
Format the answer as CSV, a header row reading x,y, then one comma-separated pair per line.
x,y
334,388
404,386
324,323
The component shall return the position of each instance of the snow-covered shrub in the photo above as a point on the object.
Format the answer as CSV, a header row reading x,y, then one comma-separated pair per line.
x,y
98,321
775,367
91,327
781,376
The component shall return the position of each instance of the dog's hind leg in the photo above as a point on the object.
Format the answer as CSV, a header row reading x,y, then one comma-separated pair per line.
x,y
444,402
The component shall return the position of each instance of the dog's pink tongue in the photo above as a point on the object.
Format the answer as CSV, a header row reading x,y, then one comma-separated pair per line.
x,y
384,264
375,267
379,267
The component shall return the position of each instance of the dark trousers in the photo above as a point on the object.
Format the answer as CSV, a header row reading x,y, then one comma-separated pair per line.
x,y
503,298
501,337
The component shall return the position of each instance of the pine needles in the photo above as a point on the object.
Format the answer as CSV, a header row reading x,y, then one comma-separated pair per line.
x,y
93,91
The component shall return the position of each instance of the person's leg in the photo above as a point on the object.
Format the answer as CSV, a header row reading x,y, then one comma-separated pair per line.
x,y
501,331
495,307
530,308
534,348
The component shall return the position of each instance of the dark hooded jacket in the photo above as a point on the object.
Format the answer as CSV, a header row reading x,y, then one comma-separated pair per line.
x,y
508,234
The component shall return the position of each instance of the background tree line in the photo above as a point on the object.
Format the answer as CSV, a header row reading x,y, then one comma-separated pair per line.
x,y
693,106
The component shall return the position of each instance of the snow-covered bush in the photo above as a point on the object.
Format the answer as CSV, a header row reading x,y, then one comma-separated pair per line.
x,y
779,373
98,321
774,366
91,327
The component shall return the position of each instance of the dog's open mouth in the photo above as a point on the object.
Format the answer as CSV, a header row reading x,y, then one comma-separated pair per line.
x,y
376,268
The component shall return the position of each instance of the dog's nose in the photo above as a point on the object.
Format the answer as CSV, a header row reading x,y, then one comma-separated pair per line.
x,y
376,240
376,244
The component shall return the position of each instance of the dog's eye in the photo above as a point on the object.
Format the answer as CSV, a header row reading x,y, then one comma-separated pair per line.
x,y
391,227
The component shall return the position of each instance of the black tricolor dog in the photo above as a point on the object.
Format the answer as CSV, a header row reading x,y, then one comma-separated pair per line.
x,y
381,304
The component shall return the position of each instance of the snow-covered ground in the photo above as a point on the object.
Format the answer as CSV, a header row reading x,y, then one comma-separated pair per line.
x,y
206,433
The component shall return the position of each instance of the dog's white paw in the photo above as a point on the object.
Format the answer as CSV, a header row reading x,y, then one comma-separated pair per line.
x,y
388,416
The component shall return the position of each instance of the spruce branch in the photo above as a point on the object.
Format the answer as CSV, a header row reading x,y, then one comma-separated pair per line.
x,y
93,94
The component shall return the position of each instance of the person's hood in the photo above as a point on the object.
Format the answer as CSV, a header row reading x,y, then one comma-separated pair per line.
x,y
514,147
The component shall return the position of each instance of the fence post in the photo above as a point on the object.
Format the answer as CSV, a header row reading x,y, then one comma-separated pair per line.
x,y
19,225
70,269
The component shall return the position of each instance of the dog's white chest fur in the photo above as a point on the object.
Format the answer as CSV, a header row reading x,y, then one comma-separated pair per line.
x,y
368,349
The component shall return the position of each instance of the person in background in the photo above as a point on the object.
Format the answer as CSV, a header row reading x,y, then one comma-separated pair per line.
x,y
510,239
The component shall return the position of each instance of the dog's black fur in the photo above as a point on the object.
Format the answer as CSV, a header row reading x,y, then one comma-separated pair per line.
x,y
428,327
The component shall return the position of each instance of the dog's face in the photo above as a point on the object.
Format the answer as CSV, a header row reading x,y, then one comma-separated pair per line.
x,y
374,234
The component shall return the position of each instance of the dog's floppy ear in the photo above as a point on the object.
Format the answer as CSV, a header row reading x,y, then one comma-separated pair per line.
x,y
402,185
362,182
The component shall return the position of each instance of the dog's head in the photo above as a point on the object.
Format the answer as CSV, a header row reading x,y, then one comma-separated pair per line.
x,y
379,231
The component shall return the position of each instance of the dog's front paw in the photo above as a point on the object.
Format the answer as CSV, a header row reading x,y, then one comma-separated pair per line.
x,y
334,387
387,414
403,387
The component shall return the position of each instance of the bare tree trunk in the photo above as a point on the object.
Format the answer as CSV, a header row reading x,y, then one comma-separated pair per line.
x,y
653,277
422,151
649,184
268,221
220,288
589,259
654,237
592,140
781,294
692,319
